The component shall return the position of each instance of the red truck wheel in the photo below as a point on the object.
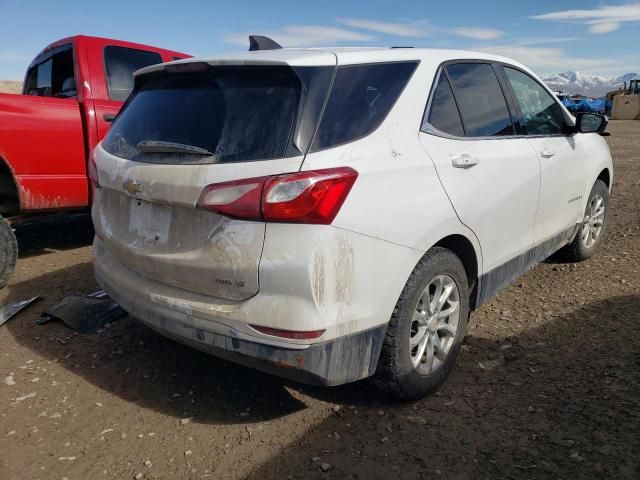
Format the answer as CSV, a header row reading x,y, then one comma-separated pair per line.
x,y
8,251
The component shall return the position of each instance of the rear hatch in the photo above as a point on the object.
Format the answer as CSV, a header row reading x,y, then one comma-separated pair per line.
x,y
182,130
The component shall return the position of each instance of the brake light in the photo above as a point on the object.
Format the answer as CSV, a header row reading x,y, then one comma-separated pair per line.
x,y
292,334
92,172
302,197
307,197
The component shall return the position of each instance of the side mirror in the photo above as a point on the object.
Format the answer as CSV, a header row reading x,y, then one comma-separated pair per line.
x,y
591,123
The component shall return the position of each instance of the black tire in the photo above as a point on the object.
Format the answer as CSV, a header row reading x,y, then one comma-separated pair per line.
x,y
8,251
396,373
578,250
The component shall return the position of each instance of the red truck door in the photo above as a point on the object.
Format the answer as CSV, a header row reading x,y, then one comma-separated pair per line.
x,y
41,135
45,138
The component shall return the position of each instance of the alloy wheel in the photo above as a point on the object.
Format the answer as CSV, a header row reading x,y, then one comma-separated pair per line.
x,y
435,323
593,221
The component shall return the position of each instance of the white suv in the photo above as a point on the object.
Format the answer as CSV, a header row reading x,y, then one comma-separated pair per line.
x,y
330,215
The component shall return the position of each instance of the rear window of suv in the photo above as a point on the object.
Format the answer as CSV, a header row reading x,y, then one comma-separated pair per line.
x,y
220,115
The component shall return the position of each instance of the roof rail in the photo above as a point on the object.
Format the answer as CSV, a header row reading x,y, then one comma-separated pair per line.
x,y
258,42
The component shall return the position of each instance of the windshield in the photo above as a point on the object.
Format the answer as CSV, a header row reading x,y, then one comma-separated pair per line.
x,y
224,114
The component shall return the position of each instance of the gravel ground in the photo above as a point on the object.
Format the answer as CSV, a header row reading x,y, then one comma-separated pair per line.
x,y
547,385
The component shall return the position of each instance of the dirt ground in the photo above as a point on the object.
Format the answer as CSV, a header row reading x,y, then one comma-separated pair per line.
x,y
547,385
9,86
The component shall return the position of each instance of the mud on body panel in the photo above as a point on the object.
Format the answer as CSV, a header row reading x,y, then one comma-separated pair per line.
x,y
183,247
336,280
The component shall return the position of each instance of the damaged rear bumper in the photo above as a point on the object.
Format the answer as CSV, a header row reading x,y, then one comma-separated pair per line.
x,y
334,362
339,361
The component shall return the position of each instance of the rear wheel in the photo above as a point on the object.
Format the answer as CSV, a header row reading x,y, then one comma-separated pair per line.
x,y
426,328
8,251
591,231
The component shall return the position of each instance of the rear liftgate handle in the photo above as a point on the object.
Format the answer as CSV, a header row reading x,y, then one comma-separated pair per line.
x,y
464,161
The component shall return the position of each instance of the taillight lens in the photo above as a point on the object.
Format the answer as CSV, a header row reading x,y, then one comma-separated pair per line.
x,y
302,197
236,199
92,171
307,197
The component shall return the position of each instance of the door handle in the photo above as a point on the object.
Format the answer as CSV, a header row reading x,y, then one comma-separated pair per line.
x,y
464,161
547,153
109,117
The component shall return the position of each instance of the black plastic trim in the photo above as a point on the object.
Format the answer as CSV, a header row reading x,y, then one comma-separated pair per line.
x,y
492,282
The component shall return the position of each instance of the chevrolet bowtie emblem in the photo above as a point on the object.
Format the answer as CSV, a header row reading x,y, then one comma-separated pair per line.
x,y
132,186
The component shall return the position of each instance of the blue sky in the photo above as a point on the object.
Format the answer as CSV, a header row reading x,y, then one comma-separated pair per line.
x,y
548,36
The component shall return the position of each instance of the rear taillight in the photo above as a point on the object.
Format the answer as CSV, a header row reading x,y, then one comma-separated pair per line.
x,y
302,197
307,197
92,171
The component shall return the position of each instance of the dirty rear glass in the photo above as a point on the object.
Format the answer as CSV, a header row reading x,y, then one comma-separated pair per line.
x,y
220,115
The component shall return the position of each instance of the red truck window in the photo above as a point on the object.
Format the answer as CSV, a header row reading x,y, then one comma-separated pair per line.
x,y
53,75
120,63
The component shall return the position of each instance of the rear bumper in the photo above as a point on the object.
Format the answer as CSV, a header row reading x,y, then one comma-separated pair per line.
x,y
337,361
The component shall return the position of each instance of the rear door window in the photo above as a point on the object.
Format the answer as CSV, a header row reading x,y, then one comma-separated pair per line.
x,y
542,115
479,96
443,113
120,63
360,99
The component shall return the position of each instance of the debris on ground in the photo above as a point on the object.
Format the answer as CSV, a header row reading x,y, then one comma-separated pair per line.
x,y
84,313
10,310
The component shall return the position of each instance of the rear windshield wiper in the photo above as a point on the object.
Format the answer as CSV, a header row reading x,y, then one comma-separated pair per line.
x,y
158,146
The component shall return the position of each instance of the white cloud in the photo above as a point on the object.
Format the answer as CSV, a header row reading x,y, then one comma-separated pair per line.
x,y
603,27
548,60
526,42
600,20
477,33
413,29
305,36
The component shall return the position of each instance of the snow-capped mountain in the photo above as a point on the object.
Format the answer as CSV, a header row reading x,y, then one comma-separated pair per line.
x,y
587,83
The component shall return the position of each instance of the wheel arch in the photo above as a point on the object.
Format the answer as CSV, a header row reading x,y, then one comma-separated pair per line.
x,y
10,200
464,249
605,176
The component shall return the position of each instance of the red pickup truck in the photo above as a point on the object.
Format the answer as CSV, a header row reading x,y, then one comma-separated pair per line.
x,y
71,93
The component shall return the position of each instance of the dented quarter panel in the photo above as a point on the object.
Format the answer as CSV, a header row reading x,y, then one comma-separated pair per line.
x,y
335,279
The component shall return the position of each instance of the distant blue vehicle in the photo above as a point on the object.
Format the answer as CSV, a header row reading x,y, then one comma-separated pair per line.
x,y
587,105
567,102
590,105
